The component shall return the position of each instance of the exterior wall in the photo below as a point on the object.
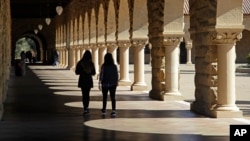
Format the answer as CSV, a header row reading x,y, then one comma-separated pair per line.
x,y
5,22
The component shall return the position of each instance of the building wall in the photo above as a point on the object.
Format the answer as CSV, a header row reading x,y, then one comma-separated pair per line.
x,y
5,22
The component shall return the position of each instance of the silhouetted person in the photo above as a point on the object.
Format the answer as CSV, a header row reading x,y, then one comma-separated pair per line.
x,y
56,58
22,63
108,80
85,68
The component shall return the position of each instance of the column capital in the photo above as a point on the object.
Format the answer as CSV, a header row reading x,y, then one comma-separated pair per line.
x,y
93,45
189,45
86,46
124,43
101,45
70,47
174,40
139,42
111,44
226,37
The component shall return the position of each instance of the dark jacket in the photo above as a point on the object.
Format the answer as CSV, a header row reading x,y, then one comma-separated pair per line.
x,y
109,75
85,78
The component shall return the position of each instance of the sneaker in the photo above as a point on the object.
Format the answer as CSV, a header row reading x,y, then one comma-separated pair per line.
x,y
113,114
103,112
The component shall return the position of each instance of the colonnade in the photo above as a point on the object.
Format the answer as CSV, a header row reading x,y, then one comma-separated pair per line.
x,y
128,26
107,25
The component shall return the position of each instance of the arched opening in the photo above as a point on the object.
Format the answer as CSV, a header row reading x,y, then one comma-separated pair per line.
x,y
243,48
183,53
147,54
29,47
34,47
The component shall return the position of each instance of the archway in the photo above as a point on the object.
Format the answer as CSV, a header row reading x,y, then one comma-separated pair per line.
x,y
29,47
32,45
183,53
242,47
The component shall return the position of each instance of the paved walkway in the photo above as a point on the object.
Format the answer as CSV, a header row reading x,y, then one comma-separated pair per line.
x,y
45,105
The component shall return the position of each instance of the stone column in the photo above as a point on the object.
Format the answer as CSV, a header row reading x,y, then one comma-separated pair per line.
x,y
71,57
62,57
189,52
66,58
215,56
124,63
139,82
78,54
94,50
5,50
226,106
74,57
102,52
112,48
173,34
172,51
157,51
82,51
228,28
59,49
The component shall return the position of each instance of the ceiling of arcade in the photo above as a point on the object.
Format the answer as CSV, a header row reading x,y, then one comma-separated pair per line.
x,y
35,8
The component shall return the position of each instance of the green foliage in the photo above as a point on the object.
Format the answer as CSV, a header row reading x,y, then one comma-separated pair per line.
x,y
24,44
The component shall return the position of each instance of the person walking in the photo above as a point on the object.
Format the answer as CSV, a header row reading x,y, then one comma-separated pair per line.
x,y
85,69
108,82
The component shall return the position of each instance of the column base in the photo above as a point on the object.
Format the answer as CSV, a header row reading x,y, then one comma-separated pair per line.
x,y
156,95
97,75
226,114
139,87
63,66
73,68
172,96
124,83
226,111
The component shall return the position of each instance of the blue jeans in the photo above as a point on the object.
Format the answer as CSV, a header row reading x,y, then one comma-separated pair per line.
x,y
112,91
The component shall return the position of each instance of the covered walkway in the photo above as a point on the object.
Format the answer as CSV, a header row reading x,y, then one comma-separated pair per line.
x,y
45,105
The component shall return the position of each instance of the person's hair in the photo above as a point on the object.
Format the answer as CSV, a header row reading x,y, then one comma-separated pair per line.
x,y
87,56
108,59
87,62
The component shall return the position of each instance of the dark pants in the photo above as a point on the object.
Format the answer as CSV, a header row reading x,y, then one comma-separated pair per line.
x,y
105,91
85,97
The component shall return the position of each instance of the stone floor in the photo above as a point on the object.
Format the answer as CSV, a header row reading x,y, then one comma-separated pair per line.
x,y
45,105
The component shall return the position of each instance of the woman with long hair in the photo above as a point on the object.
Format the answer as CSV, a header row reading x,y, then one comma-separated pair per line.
x,y
108,80
86,69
